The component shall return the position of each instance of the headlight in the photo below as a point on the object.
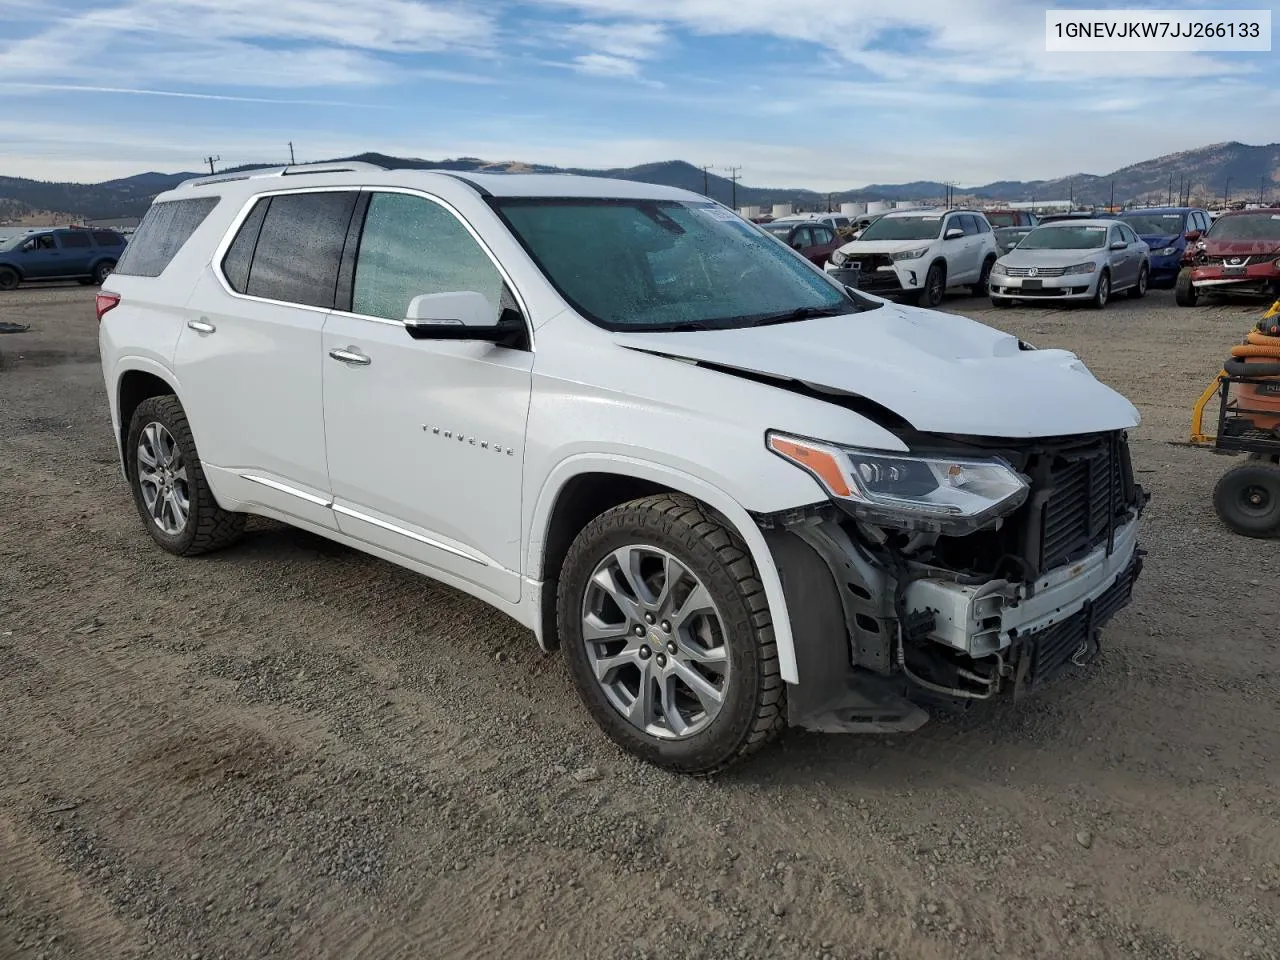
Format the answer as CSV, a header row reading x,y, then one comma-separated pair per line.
x,y
998,270
1089,267
839,257
938,494
1167,252
911,254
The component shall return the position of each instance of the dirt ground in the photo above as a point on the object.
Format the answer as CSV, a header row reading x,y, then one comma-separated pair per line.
x,y
290,749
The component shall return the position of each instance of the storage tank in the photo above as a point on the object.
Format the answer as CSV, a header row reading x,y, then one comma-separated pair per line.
x,y
852,209
877,206
782,210
752,211
905,205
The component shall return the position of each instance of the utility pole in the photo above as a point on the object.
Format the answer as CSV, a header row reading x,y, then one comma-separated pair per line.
x,y
1262,190
1170,188
1071,193
734,177
706,192
291,160
1112,207
1226,192
211,161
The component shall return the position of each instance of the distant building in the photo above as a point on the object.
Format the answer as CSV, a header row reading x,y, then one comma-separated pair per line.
x,y
116,223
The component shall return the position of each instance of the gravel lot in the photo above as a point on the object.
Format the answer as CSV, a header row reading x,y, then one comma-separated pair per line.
x,y
291,749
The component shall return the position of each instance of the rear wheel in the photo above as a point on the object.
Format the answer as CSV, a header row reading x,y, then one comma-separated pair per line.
x,y
102,271
1139,290
1247,499
169,486
1103,292
8,278
668,637
935,285
1185,293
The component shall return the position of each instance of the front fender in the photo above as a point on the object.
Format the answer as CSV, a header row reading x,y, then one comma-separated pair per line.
x,y
685,483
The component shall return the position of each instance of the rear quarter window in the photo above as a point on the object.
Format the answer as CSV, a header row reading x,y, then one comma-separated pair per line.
x,y
105,238
162,233
73,240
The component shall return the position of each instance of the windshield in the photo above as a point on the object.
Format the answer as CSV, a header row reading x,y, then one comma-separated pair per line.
x,y
1155,224
904,228
12,243
1250,226
779,229
664,264
1064,237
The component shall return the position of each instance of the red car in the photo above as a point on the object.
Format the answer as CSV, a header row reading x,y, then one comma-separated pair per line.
x,y
1239,255
816,241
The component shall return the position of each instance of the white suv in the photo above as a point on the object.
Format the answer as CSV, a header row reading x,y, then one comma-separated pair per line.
x,y
918,254
738,494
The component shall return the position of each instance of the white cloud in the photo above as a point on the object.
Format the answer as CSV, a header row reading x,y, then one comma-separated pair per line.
x,y
606,65
635,41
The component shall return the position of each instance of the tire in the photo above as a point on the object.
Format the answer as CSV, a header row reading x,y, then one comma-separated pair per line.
x,y
1185,293
9,278
1001,303
1139,290
1103,293
207,526
752,696
935,285
102,271
983,286
1247,499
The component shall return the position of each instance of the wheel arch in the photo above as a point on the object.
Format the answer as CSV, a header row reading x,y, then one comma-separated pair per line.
x,y
138,381
581,488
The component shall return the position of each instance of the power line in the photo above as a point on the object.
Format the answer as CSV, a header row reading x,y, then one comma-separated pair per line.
x,y
734,177
211,161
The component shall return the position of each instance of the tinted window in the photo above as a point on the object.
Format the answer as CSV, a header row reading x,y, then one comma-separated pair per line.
x,y
73,240
968,224
802,238
161,234
983,226
411,246
235,265
822,235
300,246
107,238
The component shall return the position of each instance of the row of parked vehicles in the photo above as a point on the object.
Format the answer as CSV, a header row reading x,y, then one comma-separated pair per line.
x,y
70,253
1014,256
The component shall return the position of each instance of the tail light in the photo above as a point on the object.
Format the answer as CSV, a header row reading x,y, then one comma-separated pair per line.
x,y
105,302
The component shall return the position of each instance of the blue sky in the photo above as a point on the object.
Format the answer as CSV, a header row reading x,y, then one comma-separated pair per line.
x,y
828,94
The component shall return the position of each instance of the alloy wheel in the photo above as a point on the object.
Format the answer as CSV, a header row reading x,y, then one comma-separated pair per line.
x,y
656,642
162,479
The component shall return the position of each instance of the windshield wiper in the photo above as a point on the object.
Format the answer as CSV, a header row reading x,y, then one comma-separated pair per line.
x,y
804,313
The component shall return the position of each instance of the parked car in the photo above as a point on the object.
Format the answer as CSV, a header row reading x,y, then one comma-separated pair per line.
x,y
1010,218
858,225
1081,260
738,495
65,254
815,239
917,254
1239,255
1008,237
1167,231
836,221
1078,215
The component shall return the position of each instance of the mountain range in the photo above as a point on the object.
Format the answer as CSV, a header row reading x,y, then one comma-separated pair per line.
x,y
1235,169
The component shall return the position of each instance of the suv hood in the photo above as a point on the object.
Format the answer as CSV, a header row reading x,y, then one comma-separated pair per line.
x,y
941,373
855,247
1240,248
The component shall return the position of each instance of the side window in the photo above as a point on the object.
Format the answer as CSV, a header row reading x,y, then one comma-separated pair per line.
x,y
161,234
802,238
1113,235
106,238
823,235
412,246
952,223
983,226
1129,234
75,240
300,247
235,265
969,223
42,242
1202,220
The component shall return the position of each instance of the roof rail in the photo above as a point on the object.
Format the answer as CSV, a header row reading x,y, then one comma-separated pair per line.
x,y
293,170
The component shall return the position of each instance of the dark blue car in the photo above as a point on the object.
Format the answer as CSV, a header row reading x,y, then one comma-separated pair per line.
x,y
72,253
1167,231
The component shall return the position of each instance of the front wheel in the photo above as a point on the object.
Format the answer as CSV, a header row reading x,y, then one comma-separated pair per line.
x,y
9,278
1185,293
1139,290
1103,292
169,486
1247,499
668,638
935,285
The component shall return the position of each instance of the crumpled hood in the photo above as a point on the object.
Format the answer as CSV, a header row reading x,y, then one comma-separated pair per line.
x,y
856,248
1158,241
939,372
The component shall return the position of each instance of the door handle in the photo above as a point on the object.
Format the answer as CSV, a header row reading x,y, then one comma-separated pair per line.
x,y
352,356
201,326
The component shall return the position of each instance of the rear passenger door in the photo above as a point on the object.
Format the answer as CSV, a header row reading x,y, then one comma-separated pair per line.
x,y
249,357
77,252
965,267
425,437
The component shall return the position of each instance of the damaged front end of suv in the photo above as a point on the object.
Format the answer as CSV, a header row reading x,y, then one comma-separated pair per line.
x,y
968,569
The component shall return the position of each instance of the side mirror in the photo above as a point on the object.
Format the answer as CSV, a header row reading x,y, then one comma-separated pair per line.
x,y
461,315
953,233
1119,245
1193,235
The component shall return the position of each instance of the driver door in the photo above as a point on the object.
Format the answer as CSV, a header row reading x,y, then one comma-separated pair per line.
x,y
425,438
41,257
